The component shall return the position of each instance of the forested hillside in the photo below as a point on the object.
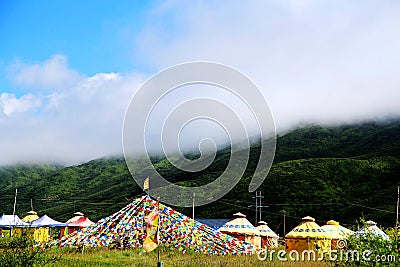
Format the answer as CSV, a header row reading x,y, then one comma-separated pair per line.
x,y
340,173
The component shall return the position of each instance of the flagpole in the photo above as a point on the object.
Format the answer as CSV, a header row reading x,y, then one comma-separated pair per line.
x,y
193,205
397,206
159,263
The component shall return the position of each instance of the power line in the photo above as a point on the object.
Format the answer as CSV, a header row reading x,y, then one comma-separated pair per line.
x,y
371,208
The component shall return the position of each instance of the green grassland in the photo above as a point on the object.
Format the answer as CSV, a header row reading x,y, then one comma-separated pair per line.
x,y
171,258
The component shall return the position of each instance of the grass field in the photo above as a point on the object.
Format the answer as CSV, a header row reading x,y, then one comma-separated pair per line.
x,y
136,257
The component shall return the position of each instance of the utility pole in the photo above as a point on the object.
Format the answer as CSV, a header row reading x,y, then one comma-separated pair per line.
x,y
258,206
31,204
397,206
256,197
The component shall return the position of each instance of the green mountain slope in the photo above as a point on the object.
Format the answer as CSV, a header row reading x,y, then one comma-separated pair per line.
x,y
339,173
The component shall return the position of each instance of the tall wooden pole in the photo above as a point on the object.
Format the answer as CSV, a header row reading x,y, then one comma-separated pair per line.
x,y
194,194
158,233
397,206
15,204
15,201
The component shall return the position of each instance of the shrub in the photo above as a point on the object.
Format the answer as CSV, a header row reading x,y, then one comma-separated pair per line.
x,y
372,250
20,251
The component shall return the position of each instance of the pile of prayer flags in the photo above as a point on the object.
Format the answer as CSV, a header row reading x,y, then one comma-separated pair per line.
x,y
138,222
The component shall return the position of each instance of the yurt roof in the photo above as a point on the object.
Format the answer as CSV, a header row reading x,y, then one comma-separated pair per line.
x,y
239,215
372,228
308,218
81,222
32,216
336,230
265,230
239,225
308,228
77,216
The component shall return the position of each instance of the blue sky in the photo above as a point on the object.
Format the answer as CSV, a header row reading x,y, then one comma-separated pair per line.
x,y
69,68
95,35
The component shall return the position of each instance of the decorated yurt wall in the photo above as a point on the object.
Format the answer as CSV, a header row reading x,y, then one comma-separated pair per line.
x,y
269,239
337,232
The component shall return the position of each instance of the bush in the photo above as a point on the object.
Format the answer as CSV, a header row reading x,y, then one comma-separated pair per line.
x,y
20,251
371,250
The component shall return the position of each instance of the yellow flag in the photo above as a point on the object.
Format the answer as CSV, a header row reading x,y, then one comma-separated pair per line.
x,y
151,241
146,184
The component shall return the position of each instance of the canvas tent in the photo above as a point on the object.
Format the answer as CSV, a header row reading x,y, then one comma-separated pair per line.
x,y
41,228
175,230
337,232
268,238
46,221
11,221
308,235
242,229
79,221
370,227
11,225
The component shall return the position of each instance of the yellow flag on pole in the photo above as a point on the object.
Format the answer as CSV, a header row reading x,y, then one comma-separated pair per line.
x,y
151,241
146,184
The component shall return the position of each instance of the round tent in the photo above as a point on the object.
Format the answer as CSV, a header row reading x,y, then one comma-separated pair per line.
x,y
30,217
79,221
370,227
77,216
268,238
242,229
337,232
308,235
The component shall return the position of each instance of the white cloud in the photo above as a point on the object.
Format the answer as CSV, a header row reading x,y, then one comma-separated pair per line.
x,y
11,104
53,74
68,125
315,61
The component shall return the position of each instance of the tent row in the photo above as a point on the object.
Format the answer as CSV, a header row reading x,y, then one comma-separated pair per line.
x,y
260,236
308,235
40,228
130,227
